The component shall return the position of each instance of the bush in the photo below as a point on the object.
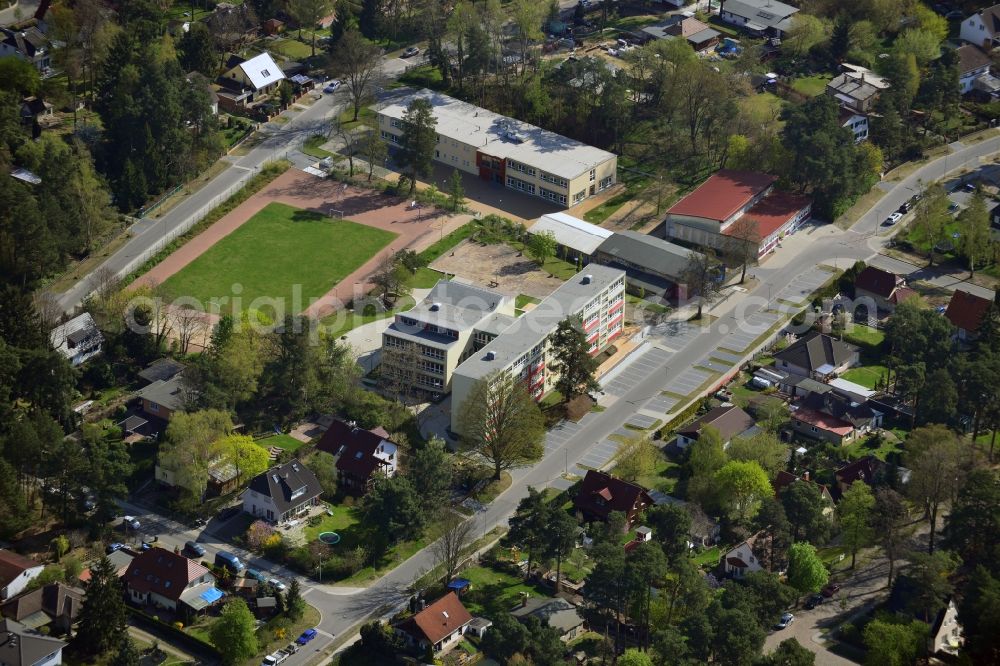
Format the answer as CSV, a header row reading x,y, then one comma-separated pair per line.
x,y
258,534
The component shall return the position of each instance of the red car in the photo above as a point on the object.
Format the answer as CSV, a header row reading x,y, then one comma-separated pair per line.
x,y
830,590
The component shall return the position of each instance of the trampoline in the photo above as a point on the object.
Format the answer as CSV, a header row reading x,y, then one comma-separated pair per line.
x,y
329,538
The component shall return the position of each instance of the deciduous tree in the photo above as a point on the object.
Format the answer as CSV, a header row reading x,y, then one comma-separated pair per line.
x,y
855,514
742,486
234,633
974,239
458,535
701,279
806,572
308,13
804,506
889,522
933,456
894,643
742,241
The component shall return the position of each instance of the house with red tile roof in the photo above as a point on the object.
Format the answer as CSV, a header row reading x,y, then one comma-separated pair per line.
x,y
966,312
164,579
817,425
600,494
881,287
441,625
362,456
745,557
708,216
16,571
867,470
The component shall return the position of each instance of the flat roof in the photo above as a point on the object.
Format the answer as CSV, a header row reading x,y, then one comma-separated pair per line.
x,y
572,232
766,13
505,138
853,86
774,210
723,194
535,325
456,305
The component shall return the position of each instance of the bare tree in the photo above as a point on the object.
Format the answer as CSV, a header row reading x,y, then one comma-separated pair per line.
x,y
453,543
742,243
234,28
190,323
398,368
700,279
350,142
104,282
48,309
374,150
359,62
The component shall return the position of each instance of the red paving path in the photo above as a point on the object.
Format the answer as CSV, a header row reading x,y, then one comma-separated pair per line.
x,y
301,190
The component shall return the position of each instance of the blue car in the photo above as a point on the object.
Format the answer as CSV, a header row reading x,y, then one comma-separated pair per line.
x,y
113,547
306,636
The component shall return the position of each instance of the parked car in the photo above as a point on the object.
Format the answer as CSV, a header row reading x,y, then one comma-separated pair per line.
x,y
256,575
955,15
830,590
194,548
892,219
332,86
112,547
905,207
229,561
969,187
306,636
952,207
275,658
814,600
277,584
786,619
410,51
130,522
292,648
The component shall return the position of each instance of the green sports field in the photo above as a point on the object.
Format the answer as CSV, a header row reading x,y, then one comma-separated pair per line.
x,y
277,248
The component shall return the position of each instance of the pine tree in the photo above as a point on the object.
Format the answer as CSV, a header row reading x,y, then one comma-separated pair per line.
x,y
295,605
102,616
128,654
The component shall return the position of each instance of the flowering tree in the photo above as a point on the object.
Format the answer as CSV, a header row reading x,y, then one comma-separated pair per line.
x,y
258,534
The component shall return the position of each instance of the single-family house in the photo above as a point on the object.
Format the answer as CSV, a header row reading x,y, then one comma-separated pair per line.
x,y
785,479
557,612
162,398
440,625
161,370
21,646
699,35
576,240
768,18
16,571
746,557
245,83
982,28
362,456
880,286
854,90
856,122
79,339
972,64
164,579
36,114
120,561
869,470
651,263
29,44
818,425
600,494
817,355
222,477
282,493
730,421
55,606
966,312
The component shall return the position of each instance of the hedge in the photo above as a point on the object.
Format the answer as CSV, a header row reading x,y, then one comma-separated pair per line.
x,y
185,639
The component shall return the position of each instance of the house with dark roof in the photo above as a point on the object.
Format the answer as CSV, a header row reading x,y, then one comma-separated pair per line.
x,y
557,613
972,64
21,646
162,398
282,493
730,421
440,625
745,557
54,606
966,311
880,286
161,370
600,494
78,339
362,456
29,44
162,578
16,571
784,480
855,91
696,33
982,28
762,18
817,355
868,470
649,262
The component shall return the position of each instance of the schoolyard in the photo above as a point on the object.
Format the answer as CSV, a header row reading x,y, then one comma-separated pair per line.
x,y
277,250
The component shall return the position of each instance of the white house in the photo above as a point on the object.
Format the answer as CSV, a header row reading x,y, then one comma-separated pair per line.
x,y
20,646
972,64
16,571
982,27
282,492
79,339
260,73
856,122
741,559
761,17
441,625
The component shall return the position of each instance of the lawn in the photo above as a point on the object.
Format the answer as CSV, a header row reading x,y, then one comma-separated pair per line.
x,y
524,299
494,588
342,321
864,336
366,116
343,518
663,477
812,85
278,252
293,48
425,278
709,557
867,375
870,446
448,242
286,442
763,108
311,147
600,213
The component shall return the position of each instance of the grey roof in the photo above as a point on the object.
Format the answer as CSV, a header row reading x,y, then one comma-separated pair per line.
x,y
287,485
456,305
534,326
703,36
496,324
20,646
172,393
73,332
814,350
29,41
648,252
766,13
161,369
502,137
813,386
572,232
557,613
659,30
852,86
120,559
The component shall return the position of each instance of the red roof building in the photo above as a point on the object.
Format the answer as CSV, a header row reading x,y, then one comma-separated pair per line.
x,y
601,493
16,571
708,214
167,579
822,426
967,311
441,625
363,456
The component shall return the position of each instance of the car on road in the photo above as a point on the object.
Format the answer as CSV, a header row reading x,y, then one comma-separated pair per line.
x,y
830,590
276,584
332,86
813,601
256,575
291,648
905,207
892,219
410,51
130,522
194,548
786,619
306,636
112,547
229,561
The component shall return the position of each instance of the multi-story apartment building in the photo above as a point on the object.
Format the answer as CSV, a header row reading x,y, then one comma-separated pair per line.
x,y
508,152
423,346
596,295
